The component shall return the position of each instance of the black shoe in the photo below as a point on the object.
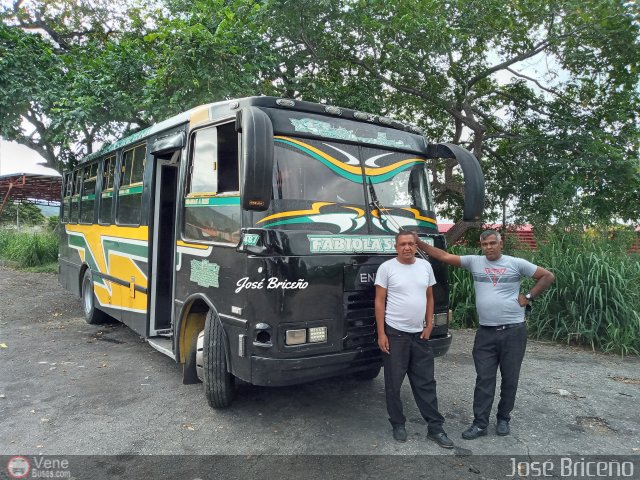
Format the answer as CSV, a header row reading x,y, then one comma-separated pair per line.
x,y
441,439
400,433
474,432
502,428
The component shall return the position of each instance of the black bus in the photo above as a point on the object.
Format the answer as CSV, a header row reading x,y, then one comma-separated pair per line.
x,y
242,237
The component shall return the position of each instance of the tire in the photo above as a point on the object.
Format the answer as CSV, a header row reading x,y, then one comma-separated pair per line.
x,y
92,315
219,384
368,374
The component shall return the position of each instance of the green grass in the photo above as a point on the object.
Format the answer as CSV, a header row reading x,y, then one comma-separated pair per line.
x,y
595,300
29,250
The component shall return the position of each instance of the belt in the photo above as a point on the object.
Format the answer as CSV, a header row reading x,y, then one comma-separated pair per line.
x,y
389,329
502,327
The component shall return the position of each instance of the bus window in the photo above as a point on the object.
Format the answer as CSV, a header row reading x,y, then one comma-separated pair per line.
x,y
66,197
212,204
88,193
334,175
406,185
204,178
75,196
130,190
106,201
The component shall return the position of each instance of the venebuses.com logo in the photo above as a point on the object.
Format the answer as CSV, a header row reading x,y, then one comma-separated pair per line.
x,y
18,467
38,467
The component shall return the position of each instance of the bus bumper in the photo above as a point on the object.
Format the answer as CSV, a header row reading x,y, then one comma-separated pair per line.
x,y
441,344
290,371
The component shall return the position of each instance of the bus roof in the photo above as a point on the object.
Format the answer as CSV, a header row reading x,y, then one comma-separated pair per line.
x,y
220,109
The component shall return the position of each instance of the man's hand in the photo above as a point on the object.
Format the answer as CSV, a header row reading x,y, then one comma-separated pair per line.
x,y
426,331
383,342
522,300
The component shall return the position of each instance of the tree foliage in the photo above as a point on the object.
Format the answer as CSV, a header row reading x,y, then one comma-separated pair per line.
x,y
71,76
545,94
21,214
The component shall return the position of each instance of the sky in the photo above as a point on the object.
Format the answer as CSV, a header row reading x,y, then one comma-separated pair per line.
x,y
16,158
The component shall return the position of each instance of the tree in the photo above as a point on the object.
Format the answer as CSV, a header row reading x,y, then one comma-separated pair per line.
x,y
73,72
459,69
545,94
22,214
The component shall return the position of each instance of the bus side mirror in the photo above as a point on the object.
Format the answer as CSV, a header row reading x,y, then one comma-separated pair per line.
x,y
473,177
256,158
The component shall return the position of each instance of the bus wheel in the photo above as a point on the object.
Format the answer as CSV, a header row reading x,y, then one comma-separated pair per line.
x,y
368,374
91,314
219,384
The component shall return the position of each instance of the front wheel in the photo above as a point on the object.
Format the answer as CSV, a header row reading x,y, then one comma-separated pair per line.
x,y
219,384
91,314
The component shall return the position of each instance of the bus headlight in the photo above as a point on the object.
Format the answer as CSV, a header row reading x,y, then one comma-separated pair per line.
x,y
306,335
296,337
317,334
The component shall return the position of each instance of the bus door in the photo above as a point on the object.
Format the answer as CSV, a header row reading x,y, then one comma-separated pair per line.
x,y
162,241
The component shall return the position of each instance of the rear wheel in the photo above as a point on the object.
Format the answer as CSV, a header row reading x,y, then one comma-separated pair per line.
x,y
91,314
219,384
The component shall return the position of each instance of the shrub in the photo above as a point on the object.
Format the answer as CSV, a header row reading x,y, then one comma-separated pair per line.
x,y
461,292
594,301
29,249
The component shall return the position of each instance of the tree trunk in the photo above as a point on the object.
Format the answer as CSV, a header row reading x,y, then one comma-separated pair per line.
x,y
456,232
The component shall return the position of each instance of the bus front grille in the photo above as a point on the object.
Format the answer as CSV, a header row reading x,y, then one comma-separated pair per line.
x,y
360,319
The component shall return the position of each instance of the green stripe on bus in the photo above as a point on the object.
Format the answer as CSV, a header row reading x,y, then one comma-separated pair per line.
x,y
212,201
130,191
126,249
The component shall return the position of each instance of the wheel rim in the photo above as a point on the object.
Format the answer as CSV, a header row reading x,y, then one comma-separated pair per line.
x,y
200,356
87,293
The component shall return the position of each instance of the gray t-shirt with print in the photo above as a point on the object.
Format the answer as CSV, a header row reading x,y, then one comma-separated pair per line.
x,y
497,285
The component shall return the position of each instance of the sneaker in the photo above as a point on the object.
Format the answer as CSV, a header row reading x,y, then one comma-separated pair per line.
x,y
400,433
474,432
502,427
441,439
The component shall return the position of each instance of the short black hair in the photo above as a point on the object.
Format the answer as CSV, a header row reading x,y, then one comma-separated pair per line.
x,y
406,232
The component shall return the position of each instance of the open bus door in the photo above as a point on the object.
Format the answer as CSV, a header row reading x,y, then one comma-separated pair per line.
x,y
167,152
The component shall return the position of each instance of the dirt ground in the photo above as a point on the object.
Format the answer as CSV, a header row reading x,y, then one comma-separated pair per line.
x,y
68,388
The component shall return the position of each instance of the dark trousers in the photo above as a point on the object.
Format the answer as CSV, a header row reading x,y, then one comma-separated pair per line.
x,y
493,348
409,355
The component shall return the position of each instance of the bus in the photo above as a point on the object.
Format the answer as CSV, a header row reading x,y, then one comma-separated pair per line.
x,y
241,238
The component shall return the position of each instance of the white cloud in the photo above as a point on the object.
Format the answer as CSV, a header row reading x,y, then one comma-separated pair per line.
x,y
16,158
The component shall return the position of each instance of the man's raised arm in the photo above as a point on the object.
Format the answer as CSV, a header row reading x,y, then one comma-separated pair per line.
x,y
439,254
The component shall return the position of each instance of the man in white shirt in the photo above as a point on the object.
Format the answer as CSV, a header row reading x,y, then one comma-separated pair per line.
x,y
404,319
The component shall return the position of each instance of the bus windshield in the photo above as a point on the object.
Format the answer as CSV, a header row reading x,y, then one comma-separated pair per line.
x,y
320,184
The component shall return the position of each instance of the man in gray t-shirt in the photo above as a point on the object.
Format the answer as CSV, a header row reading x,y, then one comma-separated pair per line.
x,y
502,337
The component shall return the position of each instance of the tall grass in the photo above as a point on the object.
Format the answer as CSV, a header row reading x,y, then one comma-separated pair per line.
x,y
461,292
595,300
29,249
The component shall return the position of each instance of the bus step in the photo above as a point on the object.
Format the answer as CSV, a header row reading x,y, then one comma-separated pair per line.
x,y
163,345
